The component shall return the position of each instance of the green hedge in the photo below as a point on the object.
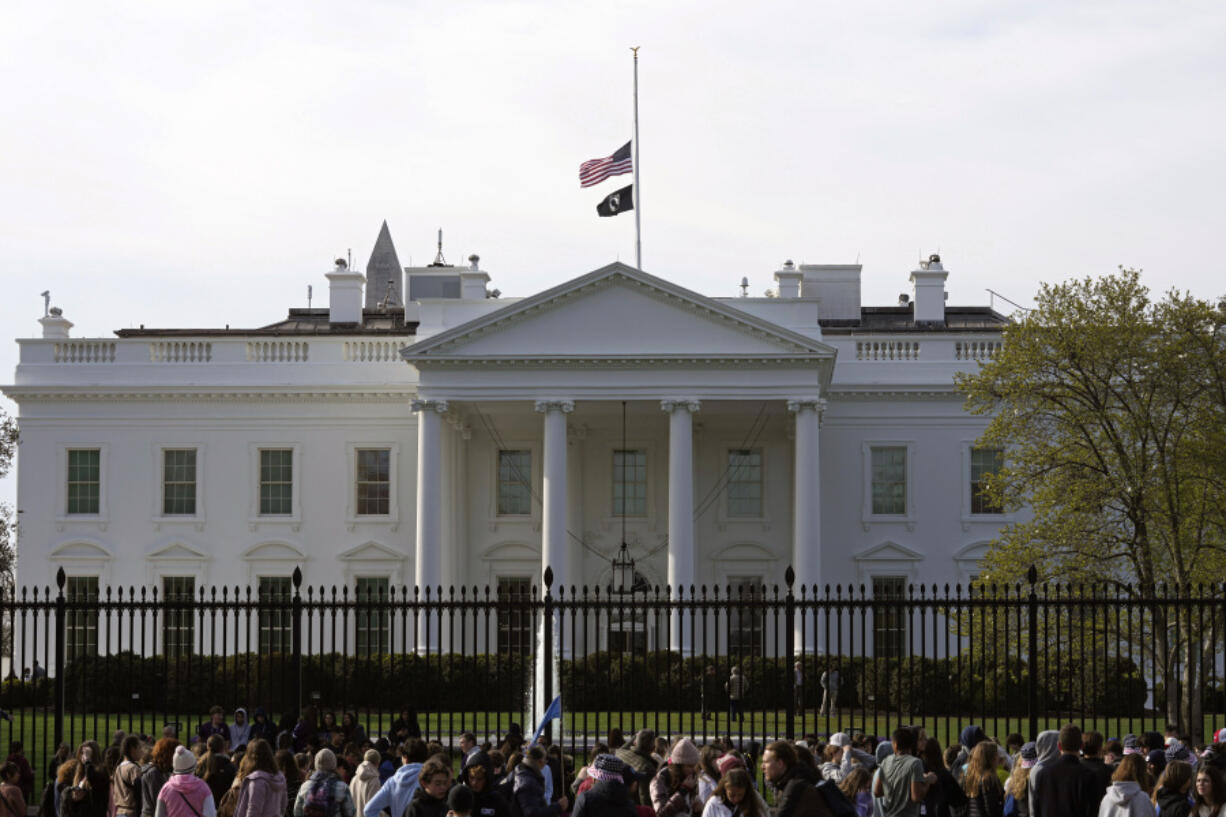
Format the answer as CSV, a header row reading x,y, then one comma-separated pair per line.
x,y
659,681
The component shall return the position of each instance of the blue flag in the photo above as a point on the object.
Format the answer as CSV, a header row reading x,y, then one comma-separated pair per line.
x,y
554,711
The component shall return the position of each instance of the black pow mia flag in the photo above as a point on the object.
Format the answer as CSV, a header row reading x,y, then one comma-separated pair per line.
x,y
617,202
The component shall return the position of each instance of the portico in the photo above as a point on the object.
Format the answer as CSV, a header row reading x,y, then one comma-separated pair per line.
x,y
714,392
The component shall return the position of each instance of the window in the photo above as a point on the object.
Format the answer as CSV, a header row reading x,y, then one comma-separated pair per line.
x,y
84,480
374,481
630,483
889,620
276,629
373,616
515,635
746,616
178,625
179,482
984,461
889,480
745,482
81,632
276,481
514,483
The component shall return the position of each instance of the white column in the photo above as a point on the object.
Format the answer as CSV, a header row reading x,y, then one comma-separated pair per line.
x,y
807,508
553,501
429,545
680,510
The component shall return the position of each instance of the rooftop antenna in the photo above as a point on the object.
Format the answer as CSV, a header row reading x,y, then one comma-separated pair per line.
x,y
349,258
438,259
46,293
310,292
745,287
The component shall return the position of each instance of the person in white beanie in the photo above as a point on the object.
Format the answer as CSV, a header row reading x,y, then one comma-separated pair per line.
x,y
184,794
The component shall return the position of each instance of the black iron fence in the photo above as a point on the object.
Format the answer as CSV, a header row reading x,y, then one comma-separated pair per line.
x,y
81,661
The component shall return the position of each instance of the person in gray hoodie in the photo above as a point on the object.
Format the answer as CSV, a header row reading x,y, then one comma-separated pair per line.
x,y
240,730
1048,748
1126,796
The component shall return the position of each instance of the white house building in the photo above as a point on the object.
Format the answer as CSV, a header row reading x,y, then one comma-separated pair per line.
x,y
420,431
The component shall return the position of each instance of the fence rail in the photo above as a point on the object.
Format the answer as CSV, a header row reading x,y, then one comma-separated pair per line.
x,y
83,660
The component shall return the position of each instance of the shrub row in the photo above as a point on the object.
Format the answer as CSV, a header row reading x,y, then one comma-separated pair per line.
x,y
659,681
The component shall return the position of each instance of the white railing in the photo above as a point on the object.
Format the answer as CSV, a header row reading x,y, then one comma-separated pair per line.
x,y
373,351
85,351
277,351
181,351
887,350
976,349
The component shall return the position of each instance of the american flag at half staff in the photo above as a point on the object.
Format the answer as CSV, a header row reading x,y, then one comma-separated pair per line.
x,y
595,171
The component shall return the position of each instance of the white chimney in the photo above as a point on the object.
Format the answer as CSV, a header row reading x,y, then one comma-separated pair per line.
x,y
788,280
344,294
838,287
55,325
929,283
473,281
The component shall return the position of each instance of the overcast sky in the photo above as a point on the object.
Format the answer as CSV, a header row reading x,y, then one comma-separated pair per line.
x,y
200,164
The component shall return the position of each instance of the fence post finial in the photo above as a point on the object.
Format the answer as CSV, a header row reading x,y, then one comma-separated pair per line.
x,y
1032,575
61,578
548,578
789,576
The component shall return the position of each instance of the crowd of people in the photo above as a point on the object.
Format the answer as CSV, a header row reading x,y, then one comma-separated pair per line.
x,y
329,767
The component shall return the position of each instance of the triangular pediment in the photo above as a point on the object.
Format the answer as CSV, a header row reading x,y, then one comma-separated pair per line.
x,y
616,311
372,552
888,552
177,552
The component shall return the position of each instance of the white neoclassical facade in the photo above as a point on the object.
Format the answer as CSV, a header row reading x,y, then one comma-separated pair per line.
x,y
419,431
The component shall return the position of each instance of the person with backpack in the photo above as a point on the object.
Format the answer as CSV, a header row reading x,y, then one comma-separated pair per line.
x,y
397,792
604,793
901,782
125,783
478,775
1017,788
216,768
984,793
945,795
529,791
154,773
324,794
857,787
262,792
184,794
431,797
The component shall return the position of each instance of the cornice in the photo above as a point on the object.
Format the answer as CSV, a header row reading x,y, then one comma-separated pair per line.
x,y
784,360
33,394
835,394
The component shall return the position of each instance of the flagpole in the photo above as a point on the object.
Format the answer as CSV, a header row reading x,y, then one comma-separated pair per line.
x,y
638,189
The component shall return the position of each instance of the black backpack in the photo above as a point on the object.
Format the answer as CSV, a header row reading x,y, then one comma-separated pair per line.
x,y
835,800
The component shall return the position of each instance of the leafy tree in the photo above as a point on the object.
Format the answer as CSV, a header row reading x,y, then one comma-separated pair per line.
x,y
8,553
1111,409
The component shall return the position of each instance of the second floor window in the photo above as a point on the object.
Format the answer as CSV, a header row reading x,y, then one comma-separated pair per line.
x,y
984,461
514,483
745,482
889,464
276,481
84,480
630,483
374,481
179,482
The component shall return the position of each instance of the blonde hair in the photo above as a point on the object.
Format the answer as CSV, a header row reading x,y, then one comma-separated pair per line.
x,y
981,769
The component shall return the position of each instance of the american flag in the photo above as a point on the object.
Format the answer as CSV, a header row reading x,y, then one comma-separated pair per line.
x,y
596,171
